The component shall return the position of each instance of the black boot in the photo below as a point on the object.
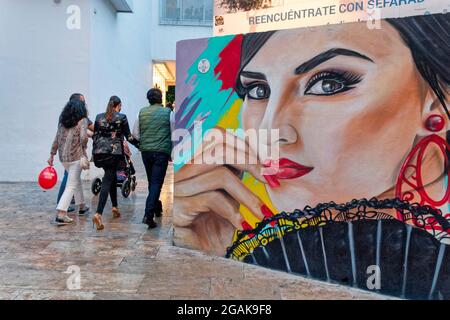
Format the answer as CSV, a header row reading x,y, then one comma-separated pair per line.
x,y
159,209
149,222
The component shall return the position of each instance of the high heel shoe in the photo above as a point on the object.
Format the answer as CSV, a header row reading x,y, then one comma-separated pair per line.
x,y
96,221
116,213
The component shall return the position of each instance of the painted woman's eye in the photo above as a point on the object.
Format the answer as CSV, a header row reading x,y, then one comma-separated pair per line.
x,y
258,91
326,87
329,83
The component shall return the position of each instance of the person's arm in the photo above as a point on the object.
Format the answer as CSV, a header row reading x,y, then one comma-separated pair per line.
x,y
126,149
84,136
136,129
54,149
127,133
90,125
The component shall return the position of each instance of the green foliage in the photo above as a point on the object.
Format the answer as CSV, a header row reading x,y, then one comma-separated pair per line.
x,y
170,94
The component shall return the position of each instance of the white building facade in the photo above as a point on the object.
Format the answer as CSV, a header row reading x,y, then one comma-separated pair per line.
x,y
50,49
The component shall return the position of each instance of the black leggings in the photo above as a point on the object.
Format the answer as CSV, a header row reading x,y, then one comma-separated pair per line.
x,y
109,185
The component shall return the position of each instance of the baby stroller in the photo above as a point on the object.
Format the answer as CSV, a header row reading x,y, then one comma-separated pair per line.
x,y
126,179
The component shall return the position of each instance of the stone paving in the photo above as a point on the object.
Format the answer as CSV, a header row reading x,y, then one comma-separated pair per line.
x,y
126,261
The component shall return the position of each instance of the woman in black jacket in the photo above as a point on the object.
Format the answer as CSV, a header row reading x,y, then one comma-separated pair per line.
x,y
110,130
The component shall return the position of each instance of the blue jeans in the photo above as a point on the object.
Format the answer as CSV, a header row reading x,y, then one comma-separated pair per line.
x,y
63,187
156,167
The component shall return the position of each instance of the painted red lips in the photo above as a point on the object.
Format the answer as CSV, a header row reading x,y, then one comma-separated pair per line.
x,y
284,169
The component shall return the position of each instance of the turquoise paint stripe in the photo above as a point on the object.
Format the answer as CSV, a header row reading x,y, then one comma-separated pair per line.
x,y
214,101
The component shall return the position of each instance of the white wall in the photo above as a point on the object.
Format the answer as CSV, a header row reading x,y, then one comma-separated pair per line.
x,y
120,58
165,37
41,64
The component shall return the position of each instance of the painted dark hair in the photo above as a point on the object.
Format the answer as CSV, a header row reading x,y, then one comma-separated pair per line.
x,y
73,112
114,101
428,38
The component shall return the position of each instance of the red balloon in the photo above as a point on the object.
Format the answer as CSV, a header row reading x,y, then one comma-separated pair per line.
x,y
48,178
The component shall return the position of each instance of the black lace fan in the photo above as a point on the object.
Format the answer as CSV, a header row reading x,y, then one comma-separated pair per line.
x,y
343,243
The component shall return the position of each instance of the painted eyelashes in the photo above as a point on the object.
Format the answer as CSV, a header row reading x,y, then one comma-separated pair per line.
x,y
324,83
257,91
327,83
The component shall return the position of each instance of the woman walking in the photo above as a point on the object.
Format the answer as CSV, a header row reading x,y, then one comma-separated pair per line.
x,y
80,97
110,129
71,144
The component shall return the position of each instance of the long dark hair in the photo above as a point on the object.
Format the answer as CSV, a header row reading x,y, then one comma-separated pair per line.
x,y
114,101
428,38
76,96
73,112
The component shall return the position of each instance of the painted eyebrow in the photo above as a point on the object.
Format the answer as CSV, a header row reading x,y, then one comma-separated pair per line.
x,y
253,75
327,55
312,63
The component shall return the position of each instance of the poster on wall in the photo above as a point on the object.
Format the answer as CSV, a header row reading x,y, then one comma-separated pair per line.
x,y
330,162
244,16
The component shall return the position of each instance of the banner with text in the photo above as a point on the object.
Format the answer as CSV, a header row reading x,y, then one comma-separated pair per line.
x,y
244,16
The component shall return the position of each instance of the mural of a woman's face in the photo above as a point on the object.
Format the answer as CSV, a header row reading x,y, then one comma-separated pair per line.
x,y
348,103
360,113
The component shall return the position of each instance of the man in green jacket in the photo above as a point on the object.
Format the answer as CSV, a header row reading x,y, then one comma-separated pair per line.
x,y
154,131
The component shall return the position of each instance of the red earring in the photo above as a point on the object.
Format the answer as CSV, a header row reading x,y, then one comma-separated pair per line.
x,y
435,123
410,178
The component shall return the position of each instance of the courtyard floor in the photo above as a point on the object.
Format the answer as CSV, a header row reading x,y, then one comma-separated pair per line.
x,y
126,261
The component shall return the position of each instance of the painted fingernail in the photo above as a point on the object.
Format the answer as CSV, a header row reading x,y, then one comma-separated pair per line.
x,y
266,211
272,181
247,227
